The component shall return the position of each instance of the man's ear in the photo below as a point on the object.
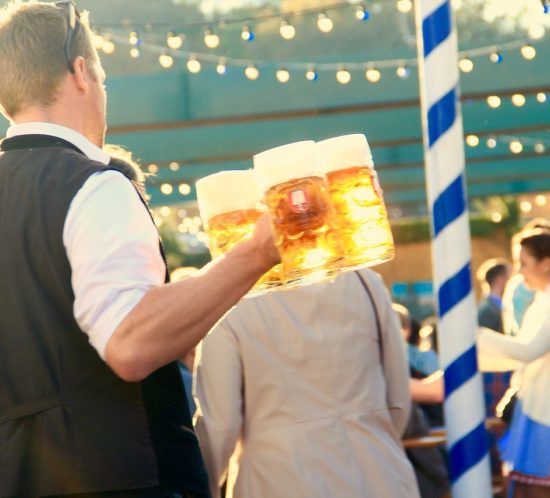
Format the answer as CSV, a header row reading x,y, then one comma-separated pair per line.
x,y
81,74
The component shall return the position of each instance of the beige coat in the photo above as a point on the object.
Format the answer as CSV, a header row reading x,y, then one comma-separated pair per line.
x,y
290,384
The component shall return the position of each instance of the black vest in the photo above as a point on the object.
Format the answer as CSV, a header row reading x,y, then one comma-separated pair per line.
x,y
68,424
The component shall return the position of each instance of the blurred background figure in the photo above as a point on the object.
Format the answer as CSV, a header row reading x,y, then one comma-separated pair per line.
x,y
525,451
492,275
304,393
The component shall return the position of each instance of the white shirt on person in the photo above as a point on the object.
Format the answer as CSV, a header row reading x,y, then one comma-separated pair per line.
x,y
111,243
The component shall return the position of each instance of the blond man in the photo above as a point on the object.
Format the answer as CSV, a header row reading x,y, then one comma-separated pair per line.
x,y
91,401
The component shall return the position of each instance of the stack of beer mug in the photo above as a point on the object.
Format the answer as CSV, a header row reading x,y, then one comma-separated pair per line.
x,y
326,206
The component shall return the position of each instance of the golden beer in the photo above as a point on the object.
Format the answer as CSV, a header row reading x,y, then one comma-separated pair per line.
x,y
363,222
303,221
357,198
228,203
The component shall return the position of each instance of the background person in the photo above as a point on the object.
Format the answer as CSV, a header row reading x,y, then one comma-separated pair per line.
x,y
91,400
297,396
526,450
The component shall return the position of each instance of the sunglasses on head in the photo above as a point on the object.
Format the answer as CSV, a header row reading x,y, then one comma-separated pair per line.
x,y
72,26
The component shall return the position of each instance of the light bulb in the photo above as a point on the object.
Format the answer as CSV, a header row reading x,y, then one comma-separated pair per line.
x,y
495,57
312,74
404,6
516,146
166,60
133,38
472,140
361,13
247,34
518,99
134,52
193,65
465,64
324,23
494,101
528,52
221,68
287,30
184,189
283,75
343,76
539,148
373,75
98,40
252,72
166,188
541,97
403,71
108,46
174,41
211,39
491,143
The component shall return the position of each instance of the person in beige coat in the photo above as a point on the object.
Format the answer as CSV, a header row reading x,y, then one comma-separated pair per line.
x,y
297,398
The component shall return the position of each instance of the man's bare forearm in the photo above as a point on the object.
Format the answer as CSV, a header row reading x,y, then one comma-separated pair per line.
x,y
173,318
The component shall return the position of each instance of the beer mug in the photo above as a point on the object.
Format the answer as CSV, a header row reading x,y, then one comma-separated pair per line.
x,y
229,207
296,195
357,198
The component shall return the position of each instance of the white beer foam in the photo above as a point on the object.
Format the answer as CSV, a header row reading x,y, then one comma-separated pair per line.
x,y
344,152
226,191
287,162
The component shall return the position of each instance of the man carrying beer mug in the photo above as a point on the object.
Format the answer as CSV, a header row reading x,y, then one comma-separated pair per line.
x,y
91,400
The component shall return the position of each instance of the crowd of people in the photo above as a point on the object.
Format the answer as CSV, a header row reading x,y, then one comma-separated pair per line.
x,y
297,394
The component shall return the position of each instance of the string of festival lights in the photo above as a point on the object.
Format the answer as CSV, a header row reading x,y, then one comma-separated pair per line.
x,y
311,70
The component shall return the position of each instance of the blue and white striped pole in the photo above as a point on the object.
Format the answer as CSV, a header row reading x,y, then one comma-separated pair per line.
x,y
446,185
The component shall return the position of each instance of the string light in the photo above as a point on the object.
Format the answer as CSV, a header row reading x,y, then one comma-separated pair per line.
x,y
324,23
343,76
174,41
518,99
108,45
247,34
494,101
541,97
404,6
193,65
221,67
496,57
528,52
166,60
536,31
252,72
174,166
166,188
287,30
283,75
153,168
539,148
403,71
472,140
97,40
466,64
361,13
211,39
312,74
134,52
373,75
516,146
491,142
540,200
184,189
133,38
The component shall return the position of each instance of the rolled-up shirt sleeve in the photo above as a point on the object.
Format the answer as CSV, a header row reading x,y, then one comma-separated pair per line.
x,y
113,249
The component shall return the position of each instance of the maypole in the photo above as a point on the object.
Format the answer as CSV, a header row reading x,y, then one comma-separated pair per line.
x,y
451,253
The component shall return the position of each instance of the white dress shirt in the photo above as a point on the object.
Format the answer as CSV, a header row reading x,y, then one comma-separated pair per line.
x,y
111,243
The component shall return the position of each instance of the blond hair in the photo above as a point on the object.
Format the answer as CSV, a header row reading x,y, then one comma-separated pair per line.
x,y
32,53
